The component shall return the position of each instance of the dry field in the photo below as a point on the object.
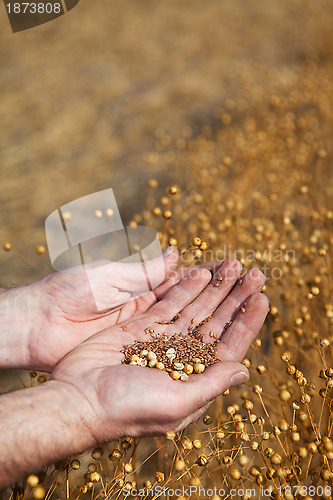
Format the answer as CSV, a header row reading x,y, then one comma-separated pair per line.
x,y
232,103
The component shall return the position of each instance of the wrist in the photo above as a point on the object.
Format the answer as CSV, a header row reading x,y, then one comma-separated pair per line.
x,y
18,318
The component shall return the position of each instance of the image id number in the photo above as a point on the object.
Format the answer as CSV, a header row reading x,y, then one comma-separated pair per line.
x,y
33,8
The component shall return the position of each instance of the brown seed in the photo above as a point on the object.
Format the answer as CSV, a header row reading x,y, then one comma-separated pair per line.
x,y
199,368
175,375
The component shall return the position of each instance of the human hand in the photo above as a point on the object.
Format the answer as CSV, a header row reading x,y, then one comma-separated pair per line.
x,y
45,320
113,399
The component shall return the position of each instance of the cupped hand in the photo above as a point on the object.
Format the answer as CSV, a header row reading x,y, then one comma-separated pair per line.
x,y
118,399
64,303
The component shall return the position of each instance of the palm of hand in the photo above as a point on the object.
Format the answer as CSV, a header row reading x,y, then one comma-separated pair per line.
x,y
69,310
131,400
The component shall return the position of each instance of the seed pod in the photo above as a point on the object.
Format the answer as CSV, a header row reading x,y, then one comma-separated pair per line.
x,y
170,435
95,477
244,436
291,369
243,460
248,405
312,448
125,445
276,459
175,375
197,444
202,460
143,353
115,455
195,481
7,246
159,365
91,467
38,492
235,474
97,453
75,464
328,443
159,476
172,190
284,426
252,418
259,479
152,363
207,420
285,395
254,471
40,249
128,468
186,443
295,436
151,355
270,473
179,465
286,356
32,480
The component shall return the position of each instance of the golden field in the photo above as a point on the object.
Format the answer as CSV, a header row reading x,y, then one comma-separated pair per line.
x,y
231,103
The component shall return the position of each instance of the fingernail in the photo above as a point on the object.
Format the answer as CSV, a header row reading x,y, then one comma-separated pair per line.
x,y
169,250
239,378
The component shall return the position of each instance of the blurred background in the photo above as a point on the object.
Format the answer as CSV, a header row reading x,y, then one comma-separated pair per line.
x,y
84,97
230,101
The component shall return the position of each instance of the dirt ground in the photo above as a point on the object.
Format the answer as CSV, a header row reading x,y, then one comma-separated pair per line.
x,y
83,97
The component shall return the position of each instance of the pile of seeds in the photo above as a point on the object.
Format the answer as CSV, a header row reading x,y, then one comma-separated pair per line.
x,y
177,354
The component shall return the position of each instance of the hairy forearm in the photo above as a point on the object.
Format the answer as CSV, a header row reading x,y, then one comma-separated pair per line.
x,y
40,426
16,321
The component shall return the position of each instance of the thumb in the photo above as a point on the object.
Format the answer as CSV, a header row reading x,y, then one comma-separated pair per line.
x,y
202,389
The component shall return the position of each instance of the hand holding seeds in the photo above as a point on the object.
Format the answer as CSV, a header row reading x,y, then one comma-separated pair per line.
x,y
199,333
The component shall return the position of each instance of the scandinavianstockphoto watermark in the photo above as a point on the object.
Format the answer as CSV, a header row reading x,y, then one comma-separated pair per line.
x,y
240,492
271,262
26,14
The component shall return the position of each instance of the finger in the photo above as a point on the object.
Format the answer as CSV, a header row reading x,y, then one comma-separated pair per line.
x,y
181,294
146,300
222,282
135,277
238,337
201,390
252,282
178,274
